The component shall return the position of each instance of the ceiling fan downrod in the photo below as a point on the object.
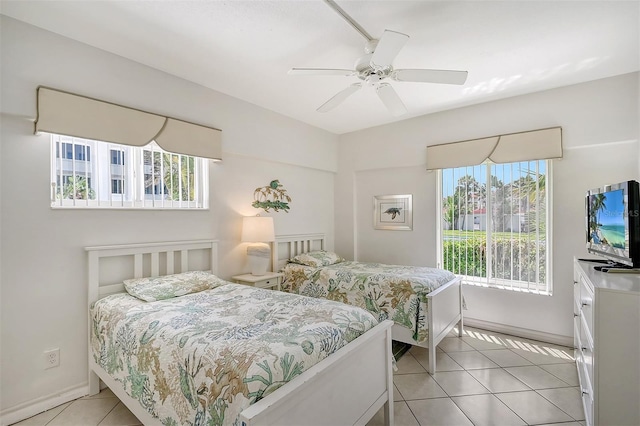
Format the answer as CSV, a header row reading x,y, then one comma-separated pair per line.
x,y
333,5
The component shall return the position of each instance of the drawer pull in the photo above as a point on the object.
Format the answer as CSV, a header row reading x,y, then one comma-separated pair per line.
x,y
584,392
583,348
576,315
585,304
575,282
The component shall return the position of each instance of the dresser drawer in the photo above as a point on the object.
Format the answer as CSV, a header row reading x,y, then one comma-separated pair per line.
x,y
586,390
586,350
586,305
576,290
587,404
577,344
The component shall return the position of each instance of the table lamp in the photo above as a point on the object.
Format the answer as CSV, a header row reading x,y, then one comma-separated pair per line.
x,y
258,231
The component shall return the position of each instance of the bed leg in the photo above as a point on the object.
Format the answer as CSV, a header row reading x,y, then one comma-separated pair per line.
x,y
94,383
432,338
388,405
460,324
388,413
432,360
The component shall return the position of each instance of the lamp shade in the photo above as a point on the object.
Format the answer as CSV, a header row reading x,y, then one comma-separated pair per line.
x,y
257,229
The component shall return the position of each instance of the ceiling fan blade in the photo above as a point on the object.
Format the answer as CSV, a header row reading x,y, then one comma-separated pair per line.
x,y
320,71
431,76
391,99
388,48
338,98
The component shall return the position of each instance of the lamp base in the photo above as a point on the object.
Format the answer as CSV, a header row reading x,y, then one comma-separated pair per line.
x,y
258,256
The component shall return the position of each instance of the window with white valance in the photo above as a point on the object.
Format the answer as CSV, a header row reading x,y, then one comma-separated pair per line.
x,y
494,209
105,155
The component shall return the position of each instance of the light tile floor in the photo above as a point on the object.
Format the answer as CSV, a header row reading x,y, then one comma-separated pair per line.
x,y
104,409
482,378
486,378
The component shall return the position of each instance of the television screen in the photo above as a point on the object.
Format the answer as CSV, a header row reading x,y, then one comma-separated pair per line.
x,y
613,226
607,222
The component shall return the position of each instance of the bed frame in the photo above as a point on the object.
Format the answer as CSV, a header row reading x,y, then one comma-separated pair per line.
x,y
444,305
353,383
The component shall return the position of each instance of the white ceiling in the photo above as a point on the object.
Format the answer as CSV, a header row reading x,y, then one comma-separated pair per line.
x,y
245,48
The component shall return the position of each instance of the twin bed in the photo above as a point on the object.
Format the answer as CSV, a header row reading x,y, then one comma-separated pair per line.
x,y
180,346
424,303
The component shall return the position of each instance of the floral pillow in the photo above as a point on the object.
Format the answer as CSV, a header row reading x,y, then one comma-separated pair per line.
x,y
152,289
317,259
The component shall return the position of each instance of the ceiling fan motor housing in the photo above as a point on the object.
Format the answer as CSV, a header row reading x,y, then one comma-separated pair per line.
x,y
363,63
371,45
365,68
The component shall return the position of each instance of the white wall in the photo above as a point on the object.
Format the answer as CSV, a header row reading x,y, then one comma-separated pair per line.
x,y
43,295
42,287
600,136
395,247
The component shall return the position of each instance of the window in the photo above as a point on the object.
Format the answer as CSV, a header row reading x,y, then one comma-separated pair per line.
x,y
495,225
116,186
82,152
87,173
117,157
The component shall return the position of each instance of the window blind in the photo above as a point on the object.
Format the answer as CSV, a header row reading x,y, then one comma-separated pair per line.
x,y
79,116
95,174
495,225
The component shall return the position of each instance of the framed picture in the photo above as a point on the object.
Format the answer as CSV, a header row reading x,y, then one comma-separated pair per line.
x,y
393,212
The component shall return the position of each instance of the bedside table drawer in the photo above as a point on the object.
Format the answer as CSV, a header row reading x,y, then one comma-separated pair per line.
x,y
268,283
270,280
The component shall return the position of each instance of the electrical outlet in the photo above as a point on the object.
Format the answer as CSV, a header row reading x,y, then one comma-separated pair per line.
x,y
51,358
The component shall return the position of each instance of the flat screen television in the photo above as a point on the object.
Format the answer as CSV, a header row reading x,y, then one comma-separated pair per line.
x,y
613,223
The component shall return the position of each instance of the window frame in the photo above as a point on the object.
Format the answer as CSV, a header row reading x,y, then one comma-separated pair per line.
x,y
484,282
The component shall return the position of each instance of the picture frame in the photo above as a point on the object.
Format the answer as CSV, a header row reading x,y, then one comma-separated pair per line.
x,y
393,212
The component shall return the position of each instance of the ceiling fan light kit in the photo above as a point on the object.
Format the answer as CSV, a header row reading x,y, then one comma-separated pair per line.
x,y
376,65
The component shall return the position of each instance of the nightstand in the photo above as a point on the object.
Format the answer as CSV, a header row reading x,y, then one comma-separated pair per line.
x,y
269,280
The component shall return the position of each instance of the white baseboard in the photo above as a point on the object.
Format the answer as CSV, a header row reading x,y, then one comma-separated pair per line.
x,y
526,333
31,408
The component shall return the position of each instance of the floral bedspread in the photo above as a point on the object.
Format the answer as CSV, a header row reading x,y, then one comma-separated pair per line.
x,y
201,358
388,291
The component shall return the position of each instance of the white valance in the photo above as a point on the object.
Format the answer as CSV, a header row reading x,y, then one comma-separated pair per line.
x,y
73,115
541,144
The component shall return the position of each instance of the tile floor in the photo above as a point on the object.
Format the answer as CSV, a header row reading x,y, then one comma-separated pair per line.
x,y
482,378
486,378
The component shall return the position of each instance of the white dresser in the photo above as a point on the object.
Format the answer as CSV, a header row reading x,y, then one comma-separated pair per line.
x,y
606,325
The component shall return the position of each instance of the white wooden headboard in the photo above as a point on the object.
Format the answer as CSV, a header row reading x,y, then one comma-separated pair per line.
x,y
110,265
288,246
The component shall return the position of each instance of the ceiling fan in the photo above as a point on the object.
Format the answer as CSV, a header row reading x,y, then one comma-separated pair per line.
x,y
375,66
